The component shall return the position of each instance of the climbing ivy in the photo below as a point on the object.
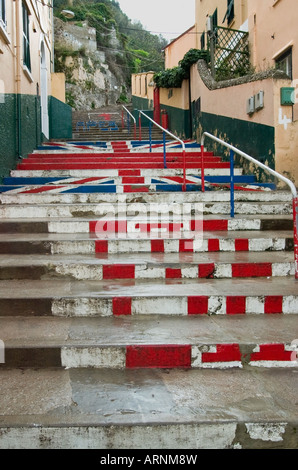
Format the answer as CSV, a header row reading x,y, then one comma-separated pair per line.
x,y
173,78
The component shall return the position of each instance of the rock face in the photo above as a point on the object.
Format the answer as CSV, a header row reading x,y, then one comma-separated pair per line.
x,y
93,77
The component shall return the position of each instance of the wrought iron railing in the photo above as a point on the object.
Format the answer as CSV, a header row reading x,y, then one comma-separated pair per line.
x,y
231,52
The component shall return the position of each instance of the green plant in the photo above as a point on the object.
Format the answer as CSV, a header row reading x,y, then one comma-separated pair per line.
x,y
173,78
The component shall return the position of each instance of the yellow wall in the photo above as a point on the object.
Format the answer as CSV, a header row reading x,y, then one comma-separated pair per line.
x,y
177,49
16,78
58,86
273,29
142,85
206,8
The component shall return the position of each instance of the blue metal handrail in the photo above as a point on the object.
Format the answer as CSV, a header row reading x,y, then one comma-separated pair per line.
x,y
165,131
277,175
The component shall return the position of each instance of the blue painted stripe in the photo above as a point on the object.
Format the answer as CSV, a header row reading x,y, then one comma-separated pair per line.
x,y
32,180
95,144
4,189
51,147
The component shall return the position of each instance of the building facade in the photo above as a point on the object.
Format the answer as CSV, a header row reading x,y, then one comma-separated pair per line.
x,y
248,93
29,111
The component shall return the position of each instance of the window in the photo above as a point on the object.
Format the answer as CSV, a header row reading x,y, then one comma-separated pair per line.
x,y
284,63
26,42
2,13
230,13
203,41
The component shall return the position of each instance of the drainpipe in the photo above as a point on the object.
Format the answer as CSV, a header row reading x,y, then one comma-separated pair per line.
x,y
18,78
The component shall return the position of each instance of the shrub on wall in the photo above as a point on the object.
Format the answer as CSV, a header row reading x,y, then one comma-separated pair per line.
x,y
173,78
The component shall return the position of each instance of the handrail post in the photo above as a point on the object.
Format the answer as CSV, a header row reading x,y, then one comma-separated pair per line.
x,y
174,137
140,127
128,124
184,170
202,167
295,215
150,136
232,183
164,150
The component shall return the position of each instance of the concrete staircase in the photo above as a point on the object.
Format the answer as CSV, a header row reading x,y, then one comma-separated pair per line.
x,y
138,316
110,124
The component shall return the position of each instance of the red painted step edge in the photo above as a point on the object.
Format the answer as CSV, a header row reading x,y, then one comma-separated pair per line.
x,y
161,356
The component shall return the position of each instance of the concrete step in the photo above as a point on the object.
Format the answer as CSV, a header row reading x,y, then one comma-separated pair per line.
x,y
233,241
147,224
163,205
171,199
128,410
108,172
139,298
128,343
146,266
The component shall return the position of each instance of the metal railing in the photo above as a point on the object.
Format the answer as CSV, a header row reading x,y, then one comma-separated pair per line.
x,y
165,131
128,121
277,175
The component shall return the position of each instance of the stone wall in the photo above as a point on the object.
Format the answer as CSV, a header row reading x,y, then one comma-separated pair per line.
x,y
93,78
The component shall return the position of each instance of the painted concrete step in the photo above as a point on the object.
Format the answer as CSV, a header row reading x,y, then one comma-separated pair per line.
x,y
238,241
146,224
146,266
117,410
108,172
137,298
172,199
134,343
116,165
163,206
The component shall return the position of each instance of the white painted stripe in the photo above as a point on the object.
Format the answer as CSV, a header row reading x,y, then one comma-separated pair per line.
x,y
97,357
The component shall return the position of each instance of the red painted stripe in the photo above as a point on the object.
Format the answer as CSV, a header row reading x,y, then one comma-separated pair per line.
x,y
112,165
159,356
108,226
121,306
42,190
251,270
157,246
273,304
206,270
197,305
236,305
173,273
211,225
224,353
87,180
101,246
241,244
213,245
271,352
133,180
129,173
118,271
185,246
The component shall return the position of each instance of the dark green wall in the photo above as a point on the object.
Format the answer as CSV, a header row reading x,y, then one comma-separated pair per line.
x,y
7,133
60,119
19,129
257,140
179,121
